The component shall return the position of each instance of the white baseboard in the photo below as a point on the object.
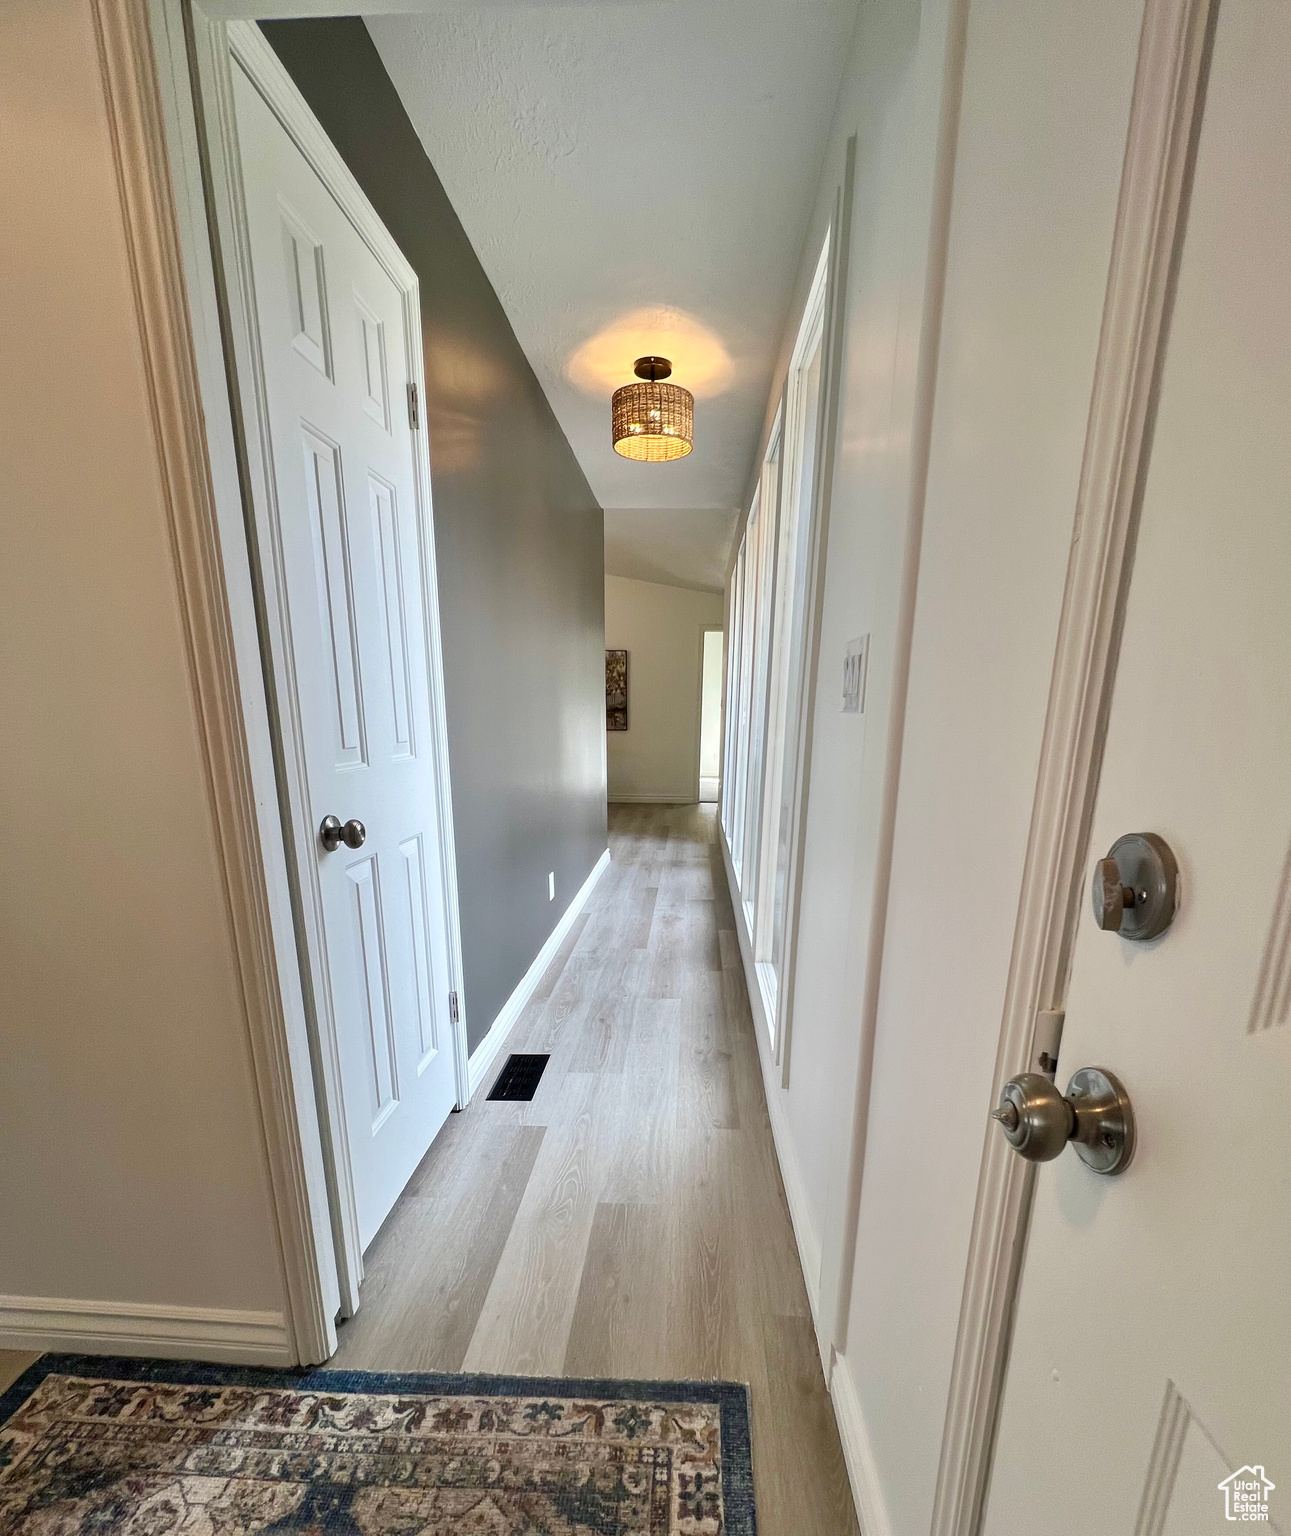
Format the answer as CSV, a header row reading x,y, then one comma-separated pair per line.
x,y
809,1252
686,799
144,1329
487,1051
862,1470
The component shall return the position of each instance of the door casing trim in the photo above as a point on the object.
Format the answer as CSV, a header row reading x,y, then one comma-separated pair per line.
x,y
143,96
1165,115
706,629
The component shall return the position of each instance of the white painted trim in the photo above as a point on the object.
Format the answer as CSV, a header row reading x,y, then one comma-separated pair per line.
x,y
705,630
653,800
144,1329
808,1243
488,1050
219,50
1169,90
225,712
833,348
858,1453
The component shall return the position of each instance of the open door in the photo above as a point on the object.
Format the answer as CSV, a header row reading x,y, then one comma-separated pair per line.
x,y
1149,1384
327,331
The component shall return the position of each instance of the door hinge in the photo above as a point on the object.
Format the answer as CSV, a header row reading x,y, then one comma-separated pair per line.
x,y
414,419
452,1007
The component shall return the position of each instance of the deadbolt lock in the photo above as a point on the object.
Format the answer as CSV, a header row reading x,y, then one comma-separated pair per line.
x,y
1136,887
1094,1114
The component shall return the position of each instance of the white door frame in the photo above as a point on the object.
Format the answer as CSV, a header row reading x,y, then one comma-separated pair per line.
x,y
145,79
1165,114
832,342
192,152
705,630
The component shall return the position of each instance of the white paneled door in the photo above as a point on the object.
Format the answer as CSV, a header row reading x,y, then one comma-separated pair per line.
x,y
348,534
1149,1384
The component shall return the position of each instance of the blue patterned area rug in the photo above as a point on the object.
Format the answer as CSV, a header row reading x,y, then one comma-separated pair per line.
x,y
145,1447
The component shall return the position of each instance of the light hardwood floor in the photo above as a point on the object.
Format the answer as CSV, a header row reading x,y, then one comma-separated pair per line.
x,y
630,1221
13,1362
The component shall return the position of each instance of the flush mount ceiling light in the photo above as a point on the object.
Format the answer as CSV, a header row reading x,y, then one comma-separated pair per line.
x,y
653,421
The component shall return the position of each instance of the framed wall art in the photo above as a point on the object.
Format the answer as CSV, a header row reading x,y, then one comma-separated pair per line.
x,y
616,690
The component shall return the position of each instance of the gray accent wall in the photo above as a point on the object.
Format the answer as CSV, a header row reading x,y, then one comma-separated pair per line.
x,y
519,540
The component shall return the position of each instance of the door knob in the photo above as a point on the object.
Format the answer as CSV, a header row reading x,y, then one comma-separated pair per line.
x,y
1094,1114
332,834
1136,887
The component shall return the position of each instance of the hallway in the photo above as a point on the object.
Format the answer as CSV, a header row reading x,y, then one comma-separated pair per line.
x,y
630,1221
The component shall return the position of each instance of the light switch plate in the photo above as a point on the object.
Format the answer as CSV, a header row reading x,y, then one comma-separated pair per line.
x,y
856,666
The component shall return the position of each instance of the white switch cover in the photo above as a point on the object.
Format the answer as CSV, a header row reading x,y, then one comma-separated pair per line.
x,y
856,665
551,886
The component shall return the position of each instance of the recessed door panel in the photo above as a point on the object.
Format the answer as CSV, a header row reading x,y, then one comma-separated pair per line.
x,y
372,355
1184,1474
325,497
369,938
392,593
306,291
1272,1004
414,867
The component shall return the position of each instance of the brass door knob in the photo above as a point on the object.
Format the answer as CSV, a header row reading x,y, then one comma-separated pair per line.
x,y
332,834
1094,1114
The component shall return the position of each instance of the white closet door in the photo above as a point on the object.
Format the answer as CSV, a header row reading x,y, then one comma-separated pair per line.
x,y
345,519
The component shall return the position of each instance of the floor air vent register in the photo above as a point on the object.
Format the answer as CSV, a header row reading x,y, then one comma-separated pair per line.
x,y
520,1077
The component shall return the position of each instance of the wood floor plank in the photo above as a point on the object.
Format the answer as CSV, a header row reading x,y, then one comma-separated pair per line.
x,y
524,1324
631,1220
642,1159
638,915
426,1280
561,958
704,1323
606,1030
13,1362
707,1095
811,1498
619,1326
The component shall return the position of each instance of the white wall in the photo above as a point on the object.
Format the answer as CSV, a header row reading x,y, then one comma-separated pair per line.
x,y
941,772
129,1130
1042,137
884,317
661,628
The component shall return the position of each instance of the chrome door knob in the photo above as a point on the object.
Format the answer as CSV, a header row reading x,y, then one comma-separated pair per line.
x,y
1094,1114
1036,1120
332,834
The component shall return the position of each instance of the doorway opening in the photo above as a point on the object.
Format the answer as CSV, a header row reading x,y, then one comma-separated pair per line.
x,y
710,717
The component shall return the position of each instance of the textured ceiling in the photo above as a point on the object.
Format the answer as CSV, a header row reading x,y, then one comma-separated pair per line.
x,y
683,547
636,176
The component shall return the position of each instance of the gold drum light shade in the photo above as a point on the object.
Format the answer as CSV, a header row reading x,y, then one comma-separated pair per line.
x,y
653,422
